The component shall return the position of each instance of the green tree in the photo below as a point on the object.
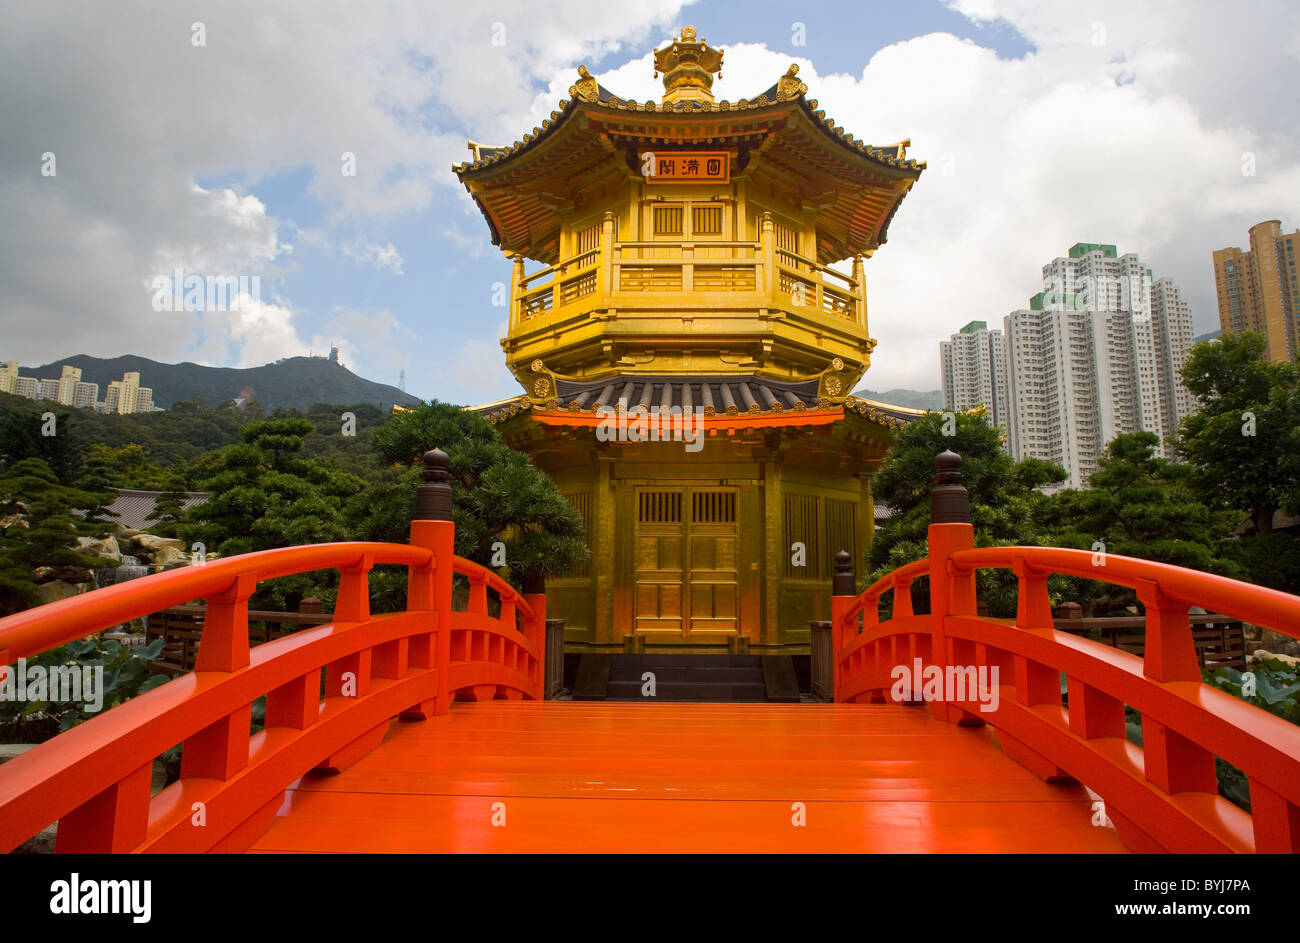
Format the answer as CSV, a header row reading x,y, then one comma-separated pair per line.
x,y
1005,507
38,528
1242,441
265,496
499,495
1137,504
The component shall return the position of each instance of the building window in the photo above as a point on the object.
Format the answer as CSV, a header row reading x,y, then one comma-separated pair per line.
x,y
668,220
581,502
841,533
659,507
706,220
588,240
801,527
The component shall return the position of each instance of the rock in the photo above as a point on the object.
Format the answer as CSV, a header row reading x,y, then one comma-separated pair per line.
x,y
125,533
170,556
53,592
1292,660
69,574
106,547
154,542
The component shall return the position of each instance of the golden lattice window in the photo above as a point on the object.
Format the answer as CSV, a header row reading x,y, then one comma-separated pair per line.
x,y
581,502
801,527
787,239
706,220
713,507
659,507
588,239
668,220
841,532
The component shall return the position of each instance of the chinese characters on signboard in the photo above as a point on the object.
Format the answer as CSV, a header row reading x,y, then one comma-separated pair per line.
x,y
686,166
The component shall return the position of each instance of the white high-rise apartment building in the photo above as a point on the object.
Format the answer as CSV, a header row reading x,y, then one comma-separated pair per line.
x,y
1096,355
128,396
975,371
8,375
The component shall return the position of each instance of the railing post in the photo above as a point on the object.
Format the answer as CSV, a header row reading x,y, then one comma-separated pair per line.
x,y
433,527
605,282
517,289
535,595
220,750
767,247
950,530
842,597
860,287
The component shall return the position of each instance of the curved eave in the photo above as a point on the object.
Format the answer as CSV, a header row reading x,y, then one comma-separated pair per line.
x,y
492,157
525,226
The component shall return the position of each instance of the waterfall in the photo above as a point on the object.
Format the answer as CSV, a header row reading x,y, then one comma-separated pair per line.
x,y
130,568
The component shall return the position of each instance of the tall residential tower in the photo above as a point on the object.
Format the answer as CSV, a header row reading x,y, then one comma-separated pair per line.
x,y
1258,291
975,371
1096,355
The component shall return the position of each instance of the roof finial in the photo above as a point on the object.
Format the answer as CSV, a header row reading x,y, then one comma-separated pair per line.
x,y
788,86
586,87
688,67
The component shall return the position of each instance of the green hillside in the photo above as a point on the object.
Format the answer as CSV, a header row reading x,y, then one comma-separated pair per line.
x,y
298,382
913,399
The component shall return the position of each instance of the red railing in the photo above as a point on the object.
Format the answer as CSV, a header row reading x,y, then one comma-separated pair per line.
x,y
1161,796
94,779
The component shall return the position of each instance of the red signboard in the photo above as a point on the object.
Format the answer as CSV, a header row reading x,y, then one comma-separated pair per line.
x,y
686,166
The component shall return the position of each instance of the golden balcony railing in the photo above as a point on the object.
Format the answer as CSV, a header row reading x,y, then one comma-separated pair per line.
x,y
722,278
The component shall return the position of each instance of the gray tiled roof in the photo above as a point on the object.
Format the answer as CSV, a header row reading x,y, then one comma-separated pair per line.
x,y
714,396
136,509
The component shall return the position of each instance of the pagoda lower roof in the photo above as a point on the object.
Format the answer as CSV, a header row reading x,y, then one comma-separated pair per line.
x,y
727,397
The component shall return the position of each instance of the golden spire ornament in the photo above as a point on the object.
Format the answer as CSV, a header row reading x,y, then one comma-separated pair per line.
x,y
688,67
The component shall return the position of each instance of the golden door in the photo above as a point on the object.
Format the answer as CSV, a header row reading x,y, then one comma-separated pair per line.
x,y
686,573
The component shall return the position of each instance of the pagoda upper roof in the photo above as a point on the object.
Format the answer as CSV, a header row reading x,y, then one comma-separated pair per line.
x,y
855,187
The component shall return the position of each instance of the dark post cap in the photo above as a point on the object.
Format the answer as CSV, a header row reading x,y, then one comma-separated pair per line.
x,y
433,496
949,500
842,582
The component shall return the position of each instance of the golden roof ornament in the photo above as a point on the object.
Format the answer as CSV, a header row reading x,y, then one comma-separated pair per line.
x,y
788,86
585,88
688,67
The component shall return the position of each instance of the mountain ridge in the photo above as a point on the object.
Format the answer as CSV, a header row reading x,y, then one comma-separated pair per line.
x,y
913,399
294,382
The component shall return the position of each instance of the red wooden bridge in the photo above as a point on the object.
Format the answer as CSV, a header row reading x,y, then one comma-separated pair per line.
x,y
425,730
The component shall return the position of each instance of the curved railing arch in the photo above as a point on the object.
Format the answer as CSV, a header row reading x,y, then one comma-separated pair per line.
x,y
1163,795
331,690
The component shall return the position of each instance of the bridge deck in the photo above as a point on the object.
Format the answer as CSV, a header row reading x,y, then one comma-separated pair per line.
x,y
663,777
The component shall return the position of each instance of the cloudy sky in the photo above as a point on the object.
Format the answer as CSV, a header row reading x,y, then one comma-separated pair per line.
x,y
210,136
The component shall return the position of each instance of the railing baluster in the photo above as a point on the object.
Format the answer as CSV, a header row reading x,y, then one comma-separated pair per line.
x,y
224,644
114,821
1094,713
295,705
1174,762
1033,604
478,594
1170,649
220,750
1276,821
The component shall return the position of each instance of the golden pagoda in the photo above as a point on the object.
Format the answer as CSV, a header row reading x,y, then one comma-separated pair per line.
x,y
686,349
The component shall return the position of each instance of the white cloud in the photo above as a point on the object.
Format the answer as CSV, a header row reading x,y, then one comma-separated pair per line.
x,y
136,114
385,257
1129,143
